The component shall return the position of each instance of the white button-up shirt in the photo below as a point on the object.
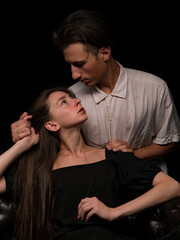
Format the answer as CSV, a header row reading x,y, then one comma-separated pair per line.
x,y
140,110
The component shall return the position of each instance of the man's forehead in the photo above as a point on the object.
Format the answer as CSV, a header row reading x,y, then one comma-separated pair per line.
x,y
75,53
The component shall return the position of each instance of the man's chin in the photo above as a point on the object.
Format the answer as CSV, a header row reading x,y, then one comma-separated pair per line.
x,y
88,84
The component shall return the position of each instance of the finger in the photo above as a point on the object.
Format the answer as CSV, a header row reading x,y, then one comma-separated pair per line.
x,y
80,209
21,123
84,207
127,150
33,131
90,214
108,147
23,115
123,148
28,117
81,213
22,135
35,136
111,146
115,143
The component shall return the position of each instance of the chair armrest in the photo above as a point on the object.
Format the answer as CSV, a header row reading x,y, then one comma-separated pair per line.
x,y
165,218
7,216
154,223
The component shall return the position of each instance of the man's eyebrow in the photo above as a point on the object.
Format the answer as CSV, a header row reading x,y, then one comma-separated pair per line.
x,y
78,62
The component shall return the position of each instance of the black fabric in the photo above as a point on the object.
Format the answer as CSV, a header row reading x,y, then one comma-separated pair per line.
x,y
109,180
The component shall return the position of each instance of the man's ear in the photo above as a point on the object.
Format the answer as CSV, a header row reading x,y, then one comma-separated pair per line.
x,y
105,53
52,126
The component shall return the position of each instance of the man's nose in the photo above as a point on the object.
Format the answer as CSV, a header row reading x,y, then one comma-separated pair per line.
x,y
75,73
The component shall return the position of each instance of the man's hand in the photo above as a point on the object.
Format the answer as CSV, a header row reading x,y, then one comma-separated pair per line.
x,y
119,145
21,128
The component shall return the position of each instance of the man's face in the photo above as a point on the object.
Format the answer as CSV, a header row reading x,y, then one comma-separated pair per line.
x,y
85,66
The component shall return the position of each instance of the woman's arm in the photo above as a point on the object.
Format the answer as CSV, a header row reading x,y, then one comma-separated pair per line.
x,y
164,189
13,153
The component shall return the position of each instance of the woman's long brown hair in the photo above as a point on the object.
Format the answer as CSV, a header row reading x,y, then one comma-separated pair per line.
x,y
33,185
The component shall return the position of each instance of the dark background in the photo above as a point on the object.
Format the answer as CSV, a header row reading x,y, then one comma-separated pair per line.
x,y
146,38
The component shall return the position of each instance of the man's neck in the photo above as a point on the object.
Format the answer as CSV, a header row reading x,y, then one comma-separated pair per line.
x,y
109,84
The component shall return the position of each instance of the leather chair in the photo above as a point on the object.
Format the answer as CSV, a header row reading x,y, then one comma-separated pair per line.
x,y
7,217
158,223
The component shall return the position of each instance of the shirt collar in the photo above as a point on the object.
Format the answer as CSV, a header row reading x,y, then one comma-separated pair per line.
x,y
120,89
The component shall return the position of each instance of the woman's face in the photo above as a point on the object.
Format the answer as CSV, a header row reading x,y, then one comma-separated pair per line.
x,y
65,110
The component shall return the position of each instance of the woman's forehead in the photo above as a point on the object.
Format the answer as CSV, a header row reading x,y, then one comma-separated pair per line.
x,y
59,93
55,98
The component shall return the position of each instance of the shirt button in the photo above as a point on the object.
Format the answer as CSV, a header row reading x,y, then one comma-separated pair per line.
x,y
110,119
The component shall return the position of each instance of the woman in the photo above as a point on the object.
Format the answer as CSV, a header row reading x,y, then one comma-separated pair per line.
x,y
65,189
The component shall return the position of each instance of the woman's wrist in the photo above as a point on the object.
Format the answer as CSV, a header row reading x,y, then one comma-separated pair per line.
x,y
115,213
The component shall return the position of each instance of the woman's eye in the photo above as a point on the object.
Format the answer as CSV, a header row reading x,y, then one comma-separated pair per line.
x,y
63,102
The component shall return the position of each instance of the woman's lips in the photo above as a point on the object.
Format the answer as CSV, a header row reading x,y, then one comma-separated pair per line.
x,y
81,110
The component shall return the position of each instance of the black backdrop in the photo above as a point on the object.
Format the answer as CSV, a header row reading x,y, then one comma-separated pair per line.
x,y
146,38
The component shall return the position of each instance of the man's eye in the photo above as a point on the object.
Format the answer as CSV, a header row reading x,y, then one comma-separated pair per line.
x,y
78,64
63,102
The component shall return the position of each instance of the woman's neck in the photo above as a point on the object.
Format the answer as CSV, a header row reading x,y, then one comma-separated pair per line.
x,y
74,151
72,143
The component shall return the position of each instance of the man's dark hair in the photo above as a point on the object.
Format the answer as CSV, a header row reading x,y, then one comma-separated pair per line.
x,y
84,26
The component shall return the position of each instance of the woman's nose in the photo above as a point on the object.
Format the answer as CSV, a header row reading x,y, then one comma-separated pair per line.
x,y
77,101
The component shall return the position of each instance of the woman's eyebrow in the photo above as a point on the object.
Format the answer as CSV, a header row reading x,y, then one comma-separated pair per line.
x,y
60,99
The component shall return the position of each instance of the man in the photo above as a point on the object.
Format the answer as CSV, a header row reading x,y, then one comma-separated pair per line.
x,y
132,106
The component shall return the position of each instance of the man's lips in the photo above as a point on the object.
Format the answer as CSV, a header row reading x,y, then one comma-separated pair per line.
x,y
85,81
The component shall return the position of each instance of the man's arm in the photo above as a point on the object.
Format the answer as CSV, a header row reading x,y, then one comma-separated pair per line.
x,y
149,152
154,150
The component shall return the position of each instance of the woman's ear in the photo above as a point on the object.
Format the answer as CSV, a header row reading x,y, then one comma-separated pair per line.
x,y
52,126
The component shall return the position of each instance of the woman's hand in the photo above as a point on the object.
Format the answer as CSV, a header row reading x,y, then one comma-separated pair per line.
x,y
16,150
90,206
28,141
